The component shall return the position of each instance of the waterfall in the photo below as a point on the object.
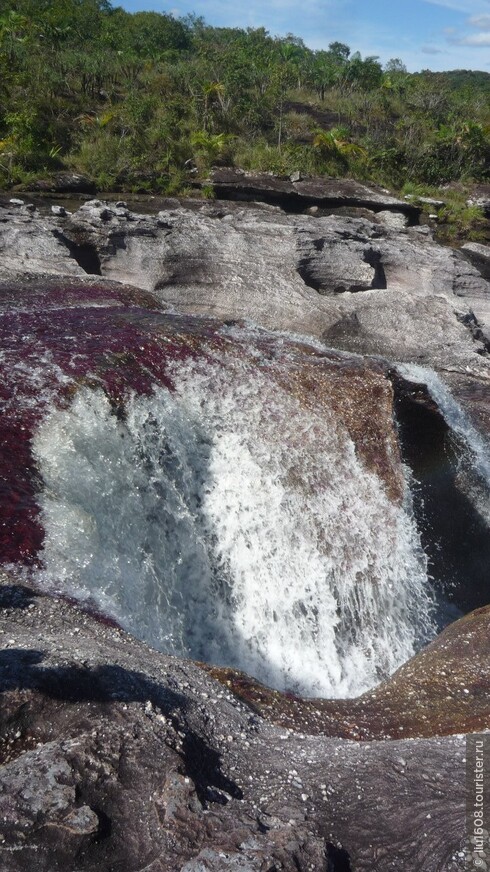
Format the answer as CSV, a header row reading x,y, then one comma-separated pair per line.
x,y
475,454
228,522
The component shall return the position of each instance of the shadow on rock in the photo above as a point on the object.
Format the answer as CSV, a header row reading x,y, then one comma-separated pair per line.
x,y
203,765
15,596
19,670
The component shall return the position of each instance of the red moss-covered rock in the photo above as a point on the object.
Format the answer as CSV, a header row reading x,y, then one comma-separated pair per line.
x,y
445,689
57,335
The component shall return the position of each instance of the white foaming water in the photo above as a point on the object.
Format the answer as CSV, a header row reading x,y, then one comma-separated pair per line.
x,y
228,523
460,424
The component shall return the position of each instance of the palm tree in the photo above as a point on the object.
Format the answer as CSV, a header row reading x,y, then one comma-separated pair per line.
x,y
211,146
334,145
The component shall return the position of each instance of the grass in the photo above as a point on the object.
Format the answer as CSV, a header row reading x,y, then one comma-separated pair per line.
x,y
457,222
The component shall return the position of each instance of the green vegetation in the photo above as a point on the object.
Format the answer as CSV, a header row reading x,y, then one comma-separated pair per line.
x,y
137,101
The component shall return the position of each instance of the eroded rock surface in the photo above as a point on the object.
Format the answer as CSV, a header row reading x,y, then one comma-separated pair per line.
x,y
58,335
441,691
298,192
118,758
358,284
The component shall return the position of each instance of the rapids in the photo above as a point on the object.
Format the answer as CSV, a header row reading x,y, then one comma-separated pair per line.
x,y
223,521
225,493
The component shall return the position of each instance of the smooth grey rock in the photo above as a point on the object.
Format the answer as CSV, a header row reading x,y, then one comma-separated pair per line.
x,y
479,256
429,201
357,283
14,201
476,295
29,245
326,265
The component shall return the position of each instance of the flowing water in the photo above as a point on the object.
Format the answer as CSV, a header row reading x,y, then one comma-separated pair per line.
x,y
224,493
454,415
224,521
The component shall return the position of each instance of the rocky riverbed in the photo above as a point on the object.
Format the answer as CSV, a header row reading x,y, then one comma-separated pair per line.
x,y
118,757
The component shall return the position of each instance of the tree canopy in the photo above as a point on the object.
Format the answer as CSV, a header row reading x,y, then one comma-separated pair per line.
x,y
137,99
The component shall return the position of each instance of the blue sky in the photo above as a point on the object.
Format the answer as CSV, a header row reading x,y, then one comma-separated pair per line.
x,y
425,34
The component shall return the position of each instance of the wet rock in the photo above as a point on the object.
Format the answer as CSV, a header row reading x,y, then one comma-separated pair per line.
x,y
117,757
441,691
451,494
473,392
357,284
125,342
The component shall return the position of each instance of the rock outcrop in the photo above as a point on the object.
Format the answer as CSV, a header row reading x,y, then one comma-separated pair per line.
x,y
63,183
297,193
441,691
358,284
481,198
116,757
58,335
28,244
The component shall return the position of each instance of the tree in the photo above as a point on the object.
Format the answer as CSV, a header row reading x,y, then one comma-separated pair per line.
x,y
365,74
339,51
151,34
395,67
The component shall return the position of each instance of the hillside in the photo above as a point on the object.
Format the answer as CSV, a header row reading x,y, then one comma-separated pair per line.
x,y
147,102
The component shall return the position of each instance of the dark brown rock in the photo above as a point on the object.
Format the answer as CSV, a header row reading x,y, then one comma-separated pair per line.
x,y
116,757
63,183
296,193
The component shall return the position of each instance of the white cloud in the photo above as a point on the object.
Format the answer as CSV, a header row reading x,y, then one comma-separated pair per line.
x,y
480,21
479,40
432,50
470,7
